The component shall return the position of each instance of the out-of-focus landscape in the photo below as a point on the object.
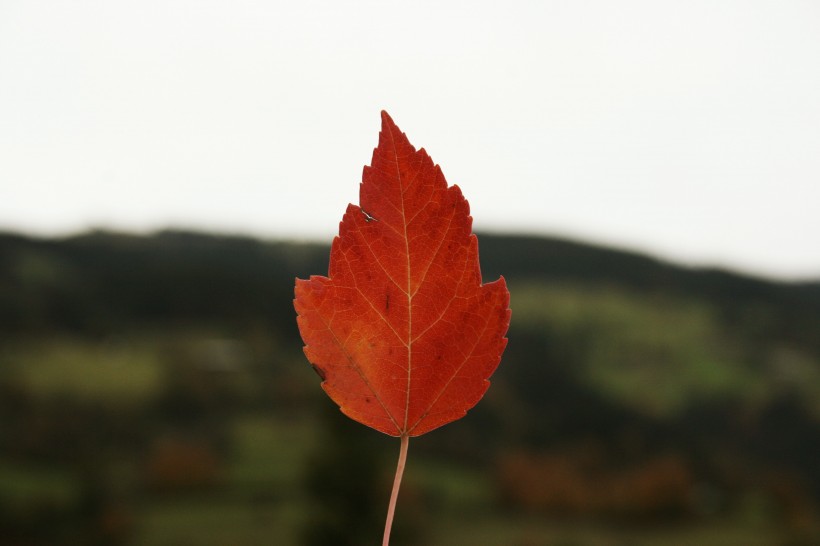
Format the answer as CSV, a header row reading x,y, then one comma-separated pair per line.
x,y
153,392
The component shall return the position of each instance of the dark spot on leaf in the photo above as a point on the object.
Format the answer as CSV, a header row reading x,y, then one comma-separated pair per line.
x,y
319,371
387,302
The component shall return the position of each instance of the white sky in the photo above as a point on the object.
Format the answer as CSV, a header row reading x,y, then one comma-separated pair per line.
x,y
690,130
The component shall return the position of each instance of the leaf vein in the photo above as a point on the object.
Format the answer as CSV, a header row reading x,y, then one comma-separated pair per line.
x,y
455,374
355,366
438,249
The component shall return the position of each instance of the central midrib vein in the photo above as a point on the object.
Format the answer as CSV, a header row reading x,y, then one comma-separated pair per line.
x,y
408,292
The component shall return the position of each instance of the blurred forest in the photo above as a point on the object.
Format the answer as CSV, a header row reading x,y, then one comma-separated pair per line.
x,y
153,392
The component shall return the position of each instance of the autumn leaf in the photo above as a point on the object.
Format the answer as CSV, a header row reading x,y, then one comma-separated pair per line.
x,y
402,332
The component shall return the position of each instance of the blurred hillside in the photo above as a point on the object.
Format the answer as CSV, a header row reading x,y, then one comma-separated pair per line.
x,y
153,391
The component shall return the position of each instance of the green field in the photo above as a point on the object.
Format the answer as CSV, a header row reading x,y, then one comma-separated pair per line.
x,y
258,496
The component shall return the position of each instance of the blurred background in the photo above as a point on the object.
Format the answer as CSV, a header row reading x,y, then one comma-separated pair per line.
x,y
644,175
153,391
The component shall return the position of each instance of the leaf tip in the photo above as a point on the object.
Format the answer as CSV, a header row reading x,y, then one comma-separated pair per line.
x,y
387,121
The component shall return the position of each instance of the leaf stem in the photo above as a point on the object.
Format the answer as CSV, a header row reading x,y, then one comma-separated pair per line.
x,y
391,509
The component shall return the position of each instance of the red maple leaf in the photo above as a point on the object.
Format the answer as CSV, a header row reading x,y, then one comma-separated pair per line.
x,y
401,331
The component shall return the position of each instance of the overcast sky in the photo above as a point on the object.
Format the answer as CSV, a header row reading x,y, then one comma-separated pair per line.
x,y
689,130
